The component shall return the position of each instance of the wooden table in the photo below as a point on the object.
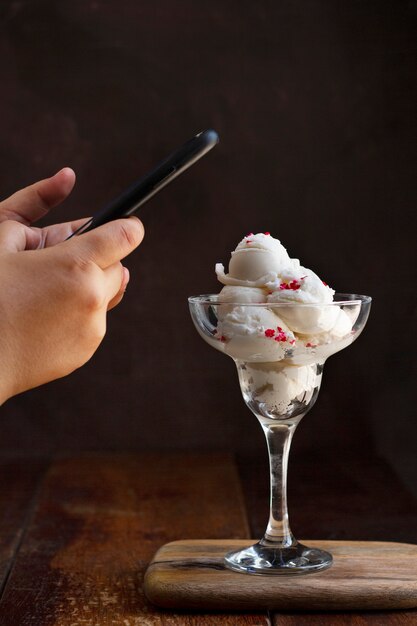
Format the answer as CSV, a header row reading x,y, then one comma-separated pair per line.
x,y
76,533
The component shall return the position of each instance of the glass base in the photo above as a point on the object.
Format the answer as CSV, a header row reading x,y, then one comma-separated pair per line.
x,y
261,559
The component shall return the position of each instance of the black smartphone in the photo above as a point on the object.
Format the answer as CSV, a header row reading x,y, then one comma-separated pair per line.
x,y
147,186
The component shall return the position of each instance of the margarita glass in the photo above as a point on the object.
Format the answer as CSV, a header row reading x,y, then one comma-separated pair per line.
x,y
280,380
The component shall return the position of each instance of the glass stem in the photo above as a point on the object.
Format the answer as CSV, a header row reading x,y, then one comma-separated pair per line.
x,y
278,437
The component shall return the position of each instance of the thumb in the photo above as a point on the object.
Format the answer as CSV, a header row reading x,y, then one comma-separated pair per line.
x,y
108,243
15,237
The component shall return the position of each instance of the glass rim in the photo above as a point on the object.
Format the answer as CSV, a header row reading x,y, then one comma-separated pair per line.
x,y
345,299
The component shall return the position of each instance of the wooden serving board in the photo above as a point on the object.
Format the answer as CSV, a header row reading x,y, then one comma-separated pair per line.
x,y
364,575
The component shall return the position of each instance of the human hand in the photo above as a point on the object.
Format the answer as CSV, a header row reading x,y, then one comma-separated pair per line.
x,y
55,294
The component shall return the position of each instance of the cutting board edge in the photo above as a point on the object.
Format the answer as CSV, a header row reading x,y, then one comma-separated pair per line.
x,y
161,591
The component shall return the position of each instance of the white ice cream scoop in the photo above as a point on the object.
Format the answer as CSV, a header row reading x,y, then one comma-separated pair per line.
x,y
260,269
241,295
256,262
253,333
278,385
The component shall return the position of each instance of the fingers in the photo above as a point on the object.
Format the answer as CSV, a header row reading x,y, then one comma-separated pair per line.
x,y
33,202
109,243
15,236
56,233
123,285
115,279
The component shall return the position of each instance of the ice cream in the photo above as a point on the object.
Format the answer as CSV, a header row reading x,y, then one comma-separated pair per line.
x,y
274,389
256,262
279,346
262,272
246,333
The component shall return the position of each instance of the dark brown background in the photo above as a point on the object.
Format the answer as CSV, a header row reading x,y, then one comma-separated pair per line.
x,y
314,102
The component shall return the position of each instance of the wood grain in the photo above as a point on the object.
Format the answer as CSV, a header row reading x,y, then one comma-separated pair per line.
x,y
97,524
370,618
364,576
19,480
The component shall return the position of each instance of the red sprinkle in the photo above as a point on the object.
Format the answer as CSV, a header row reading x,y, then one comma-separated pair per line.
x,y
278,335
281,337
249,235
293,285
249,241
292,342
325,284
222,338
310,345
267,233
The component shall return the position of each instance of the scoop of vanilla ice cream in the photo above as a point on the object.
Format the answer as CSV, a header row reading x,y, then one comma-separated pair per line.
x,y
253,333
241,295
340,328
299,284
275,387
302,286
342,325
256,262
260,269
